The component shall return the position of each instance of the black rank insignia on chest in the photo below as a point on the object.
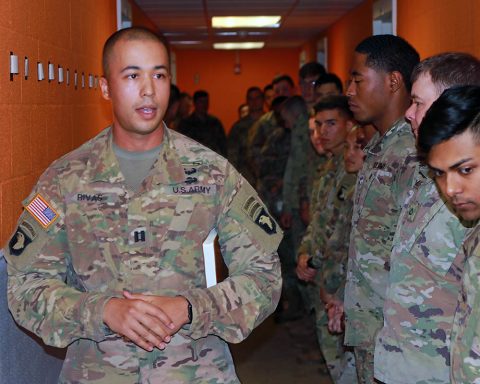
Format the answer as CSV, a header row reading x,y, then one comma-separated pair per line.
x,y
138,235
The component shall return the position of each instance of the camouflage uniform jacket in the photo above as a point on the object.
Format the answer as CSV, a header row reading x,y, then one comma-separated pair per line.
x,y
207,130
334,267
237,146
298,164
382,186
465,338
328,197
258,135
424,281
102,238
271,167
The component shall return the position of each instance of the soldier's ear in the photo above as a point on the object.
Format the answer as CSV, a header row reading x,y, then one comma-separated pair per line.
x,y
396,81
350,124
104,87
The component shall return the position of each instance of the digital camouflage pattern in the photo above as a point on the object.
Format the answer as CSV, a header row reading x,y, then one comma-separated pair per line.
x,y
107,239
237,147
328,198
326,231
271,166
334,266
206,130
382,185
257,137
424,282
465,338
302,162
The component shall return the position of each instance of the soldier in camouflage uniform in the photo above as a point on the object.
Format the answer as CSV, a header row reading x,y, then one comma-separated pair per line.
x,y
449,136
331,275
379,94
334,267
333,119
112,266
237,142
257,138
413,345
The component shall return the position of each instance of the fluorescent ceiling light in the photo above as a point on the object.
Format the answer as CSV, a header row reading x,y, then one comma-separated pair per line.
x,y
232,33
186,42
246,45
245,21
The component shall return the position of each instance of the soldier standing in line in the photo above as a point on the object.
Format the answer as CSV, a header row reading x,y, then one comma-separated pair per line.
x,y
203,127
379,94
449,136
333,121
107,256
425,269
237,142
331,275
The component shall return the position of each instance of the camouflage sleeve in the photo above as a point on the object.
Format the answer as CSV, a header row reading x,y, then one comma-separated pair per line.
x,y
296,166
249,238
37,256
233,147
335,265
405,178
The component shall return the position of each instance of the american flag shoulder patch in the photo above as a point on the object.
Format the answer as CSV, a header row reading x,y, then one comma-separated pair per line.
x,y
41,211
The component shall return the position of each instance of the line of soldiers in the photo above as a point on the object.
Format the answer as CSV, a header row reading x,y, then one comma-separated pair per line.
x,y
387,310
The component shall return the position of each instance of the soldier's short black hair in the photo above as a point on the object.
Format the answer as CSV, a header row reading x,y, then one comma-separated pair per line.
x,y
311,69
328,78
338,102
295,105
455,111
267,88
286,78
199,94
449,69
390,53
278,101
132,33
254,89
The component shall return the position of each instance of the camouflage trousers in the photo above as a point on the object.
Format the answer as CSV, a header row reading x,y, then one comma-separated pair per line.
x,y
203,361
339,358
364,360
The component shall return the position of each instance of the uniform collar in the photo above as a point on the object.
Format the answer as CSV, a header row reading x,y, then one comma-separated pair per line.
x,y
104,166
378,143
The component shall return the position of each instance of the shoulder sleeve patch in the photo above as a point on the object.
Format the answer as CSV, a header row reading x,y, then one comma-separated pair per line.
x,y
250,211
27,240
41,211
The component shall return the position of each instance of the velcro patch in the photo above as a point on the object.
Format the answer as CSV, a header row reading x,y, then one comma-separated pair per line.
x,y
192,189
23,236
42,211
255,211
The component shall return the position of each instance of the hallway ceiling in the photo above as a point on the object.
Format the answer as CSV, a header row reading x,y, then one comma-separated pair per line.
x,y
189,21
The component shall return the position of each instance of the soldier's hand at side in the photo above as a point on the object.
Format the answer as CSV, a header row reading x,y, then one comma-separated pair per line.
x,y
336,316
304,272
141,322
176,307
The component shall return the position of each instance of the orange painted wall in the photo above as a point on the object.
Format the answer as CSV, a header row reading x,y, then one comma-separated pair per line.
x,y
344,35
213,72
42,120
434,26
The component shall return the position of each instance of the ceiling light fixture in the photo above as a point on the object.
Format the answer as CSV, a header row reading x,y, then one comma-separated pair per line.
x,y
246,21
245,45
186,42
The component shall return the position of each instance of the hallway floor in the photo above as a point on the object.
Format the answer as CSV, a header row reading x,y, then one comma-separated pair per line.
x,y
277,353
